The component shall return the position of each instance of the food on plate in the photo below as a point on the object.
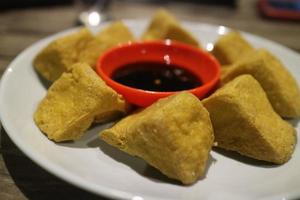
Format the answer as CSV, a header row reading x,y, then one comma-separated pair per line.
x,y
73,102
81,46
165,26
231,47
281,88
244,121
224,69
174,135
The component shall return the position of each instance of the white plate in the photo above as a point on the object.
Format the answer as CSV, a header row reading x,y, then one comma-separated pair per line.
x,y
97,167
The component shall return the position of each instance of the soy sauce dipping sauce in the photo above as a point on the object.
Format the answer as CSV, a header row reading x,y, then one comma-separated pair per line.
x,y
155,76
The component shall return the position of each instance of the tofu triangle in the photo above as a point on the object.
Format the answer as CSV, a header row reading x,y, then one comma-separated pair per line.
x,y
281,88
244,121
74,101
174,135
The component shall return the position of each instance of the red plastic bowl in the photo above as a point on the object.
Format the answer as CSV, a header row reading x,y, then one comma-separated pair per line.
x,y
200,63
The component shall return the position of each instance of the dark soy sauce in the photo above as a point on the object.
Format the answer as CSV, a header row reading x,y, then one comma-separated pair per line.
x,y
155,76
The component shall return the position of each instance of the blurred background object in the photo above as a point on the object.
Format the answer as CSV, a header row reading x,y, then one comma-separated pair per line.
x,y
6,4
93,14
280,9
10,4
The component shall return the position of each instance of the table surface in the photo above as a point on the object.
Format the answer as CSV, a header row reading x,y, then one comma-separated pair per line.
x,y
20,178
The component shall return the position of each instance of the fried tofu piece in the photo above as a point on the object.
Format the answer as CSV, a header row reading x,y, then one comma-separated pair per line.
x,y
164,26
114,34
174,135
60,55
73,101
224,70
281,88
244,121
231,47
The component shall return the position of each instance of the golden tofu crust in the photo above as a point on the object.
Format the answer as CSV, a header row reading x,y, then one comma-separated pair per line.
x,y
244,121
231,47
174,135
73,101
280,86
60,55
164,26
112,35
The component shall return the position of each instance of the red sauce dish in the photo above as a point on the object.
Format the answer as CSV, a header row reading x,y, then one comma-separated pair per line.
x,y
167,62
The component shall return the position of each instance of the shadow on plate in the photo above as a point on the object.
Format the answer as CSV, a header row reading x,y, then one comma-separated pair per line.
x,y
293,122
243,159
32,181
137,164
43,81
155,175
91,140
91,135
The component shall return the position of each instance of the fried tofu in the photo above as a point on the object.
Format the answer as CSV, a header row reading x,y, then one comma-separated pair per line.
x,y
164,26
60,55
174,135
281,88
231,47
244,121
73,102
